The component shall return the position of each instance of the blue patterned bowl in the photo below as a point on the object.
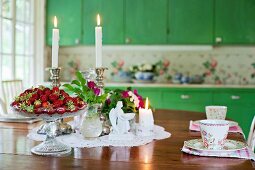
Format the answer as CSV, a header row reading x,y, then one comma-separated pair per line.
x,y
144,76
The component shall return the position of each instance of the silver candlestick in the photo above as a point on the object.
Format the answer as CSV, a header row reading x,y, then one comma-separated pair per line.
x,y
62,127
100,85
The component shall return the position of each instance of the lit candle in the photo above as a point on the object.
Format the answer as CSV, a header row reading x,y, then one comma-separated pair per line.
x,y
146,117
98,34
55,44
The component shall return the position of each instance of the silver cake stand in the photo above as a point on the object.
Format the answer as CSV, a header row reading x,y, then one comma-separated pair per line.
x,y
51,146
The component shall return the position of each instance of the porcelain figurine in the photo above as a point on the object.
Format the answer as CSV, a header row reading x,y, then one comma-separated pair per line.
x,y
120,123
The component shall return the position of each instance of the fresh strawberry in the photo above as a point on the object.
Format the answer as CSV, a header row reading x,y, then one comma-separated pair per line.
x,y
37,104
15,103
53,97
38,110
55,89
70,106
44,98
47,91
81,104
51,110
28,103
64,94
45,104
39,92
61,110
58,103
68,99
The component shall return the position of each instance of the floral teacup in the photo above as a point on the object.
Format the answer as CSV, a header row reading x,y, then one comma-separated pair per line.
x,y
214,133
216,112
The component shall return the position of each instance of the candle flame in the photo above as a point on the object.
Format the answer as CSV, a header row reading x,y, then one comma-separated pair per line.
x,y
98,19
55,22
146,103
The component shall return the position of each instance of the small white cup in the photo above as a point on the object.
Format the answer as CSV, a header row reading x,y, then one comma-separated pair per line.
x,y
216,112
214,133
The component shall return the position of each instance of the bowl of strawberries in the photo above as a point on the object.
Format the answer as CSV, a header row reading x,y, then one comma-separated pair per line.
x,y
46,103
49,104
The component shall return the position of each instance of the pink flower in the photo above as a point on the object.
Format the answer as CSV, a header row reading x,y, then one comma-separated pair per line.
x,y
108,101
96,91
214,63
121,63
161,72
166,63
141,104
125,94
91,84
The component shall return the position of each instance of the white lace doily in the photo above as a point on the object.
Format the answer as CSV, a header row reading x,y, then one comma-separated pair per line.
x,y
76,140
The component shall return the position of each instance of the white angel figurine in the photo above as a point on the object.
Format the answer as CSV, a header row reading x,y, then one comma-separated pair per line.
x,y
120,120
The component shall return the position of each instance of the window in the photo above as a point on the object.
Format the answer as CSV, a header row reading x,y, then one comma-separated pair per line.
x,y
17,40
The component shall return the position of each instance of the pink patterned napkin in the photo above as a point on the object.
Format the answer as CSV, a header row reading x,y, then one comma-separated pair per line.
x,y
195,127
243,154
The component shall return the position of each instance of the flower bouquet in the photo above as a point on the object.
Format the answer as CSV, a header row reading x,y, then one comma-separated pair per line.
x,y
131,100
118,73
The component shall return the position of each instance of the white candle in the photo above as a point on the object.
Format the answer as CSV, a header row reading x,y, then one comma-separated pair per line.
x,y
146,117
55,44
98,37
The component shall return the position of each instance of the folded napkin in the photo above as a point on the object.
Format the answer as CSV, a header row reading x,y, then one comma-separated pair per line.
x,y
243,154
234,129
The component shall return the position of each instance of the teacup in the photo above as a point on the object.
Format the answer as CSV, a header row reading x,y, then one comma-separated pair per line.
x,y
214,133
216,112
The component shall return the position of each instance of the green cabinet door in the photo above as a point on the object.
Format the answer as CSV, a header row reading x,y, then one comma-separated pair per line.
x,y
190,22
69,15
146,21
234,21
111,13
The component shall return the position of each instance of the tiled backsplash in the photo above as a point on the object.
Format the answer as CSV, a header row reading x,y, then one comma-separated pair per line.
x,y
224,65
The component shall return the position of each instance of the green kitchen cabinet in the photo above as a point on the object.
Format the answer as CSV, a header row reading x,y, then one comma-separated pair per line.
x,y
240,103
111,13
69,15
146,21
190,22
234,21
186,99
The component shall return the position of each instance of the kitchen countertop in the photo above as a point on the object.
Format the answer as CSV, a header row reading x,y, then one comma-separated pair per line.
x,y
111,84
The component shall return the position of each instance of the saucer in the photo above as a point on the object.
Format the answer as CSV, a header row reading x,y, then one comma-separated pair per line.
x,y
230,145
231,123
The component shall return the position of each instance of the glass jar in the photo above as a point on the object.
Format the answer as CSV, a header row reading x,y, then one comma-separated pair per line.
x,y
91,125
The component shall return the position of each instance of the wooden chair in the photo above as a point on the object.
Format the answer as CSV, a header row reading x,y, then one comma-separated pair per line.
x,y
251,137
3,110
11,88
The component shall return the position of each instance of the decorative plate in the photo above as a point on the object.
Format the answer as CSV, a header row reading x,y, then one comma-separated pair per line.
x,y
231,123
230,145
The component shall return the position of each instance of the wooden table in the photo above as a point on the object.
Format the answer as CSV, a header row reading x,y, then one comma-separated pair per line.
x,y
162,154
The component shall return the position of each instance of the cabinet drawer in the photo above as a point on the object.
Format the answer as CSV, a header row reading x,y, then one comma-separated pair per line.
x,y
188,97
245,98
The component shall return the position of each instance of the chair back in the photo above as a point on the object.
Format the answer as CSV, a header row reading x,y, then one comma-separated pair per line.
x,y
11,88
3,110
251,137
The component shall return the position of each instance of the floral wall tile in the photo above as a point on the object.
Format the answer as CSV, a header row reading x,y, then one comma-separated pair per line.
x,y
225,65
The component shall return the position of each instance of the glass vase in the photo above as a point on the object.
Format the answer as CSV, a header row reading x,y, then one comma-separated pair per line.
x,y
91,125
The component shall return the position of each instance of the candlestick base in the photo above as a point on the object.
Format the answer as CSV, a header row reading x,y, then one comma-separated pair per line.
x,y
55,76
100,76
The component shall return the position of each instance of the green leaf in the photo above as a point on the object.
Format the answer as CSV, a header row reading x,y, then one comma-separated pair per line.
x,y
69,87
76,82
80,77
